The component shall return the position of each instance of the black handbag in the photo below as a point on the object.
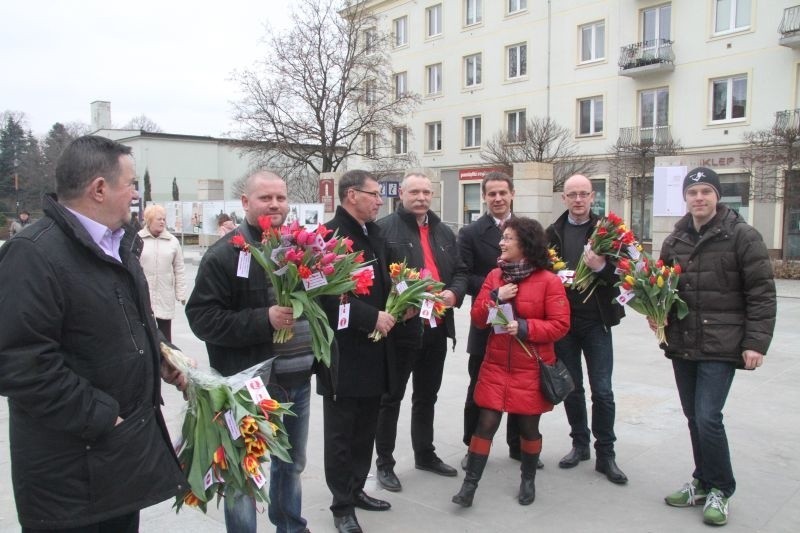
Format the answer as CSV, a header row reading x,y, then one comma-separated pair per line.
x,y
555,381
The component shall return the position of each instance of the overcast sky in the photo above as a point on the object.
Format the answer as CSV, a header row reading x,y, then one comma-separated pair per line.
x,y
171,60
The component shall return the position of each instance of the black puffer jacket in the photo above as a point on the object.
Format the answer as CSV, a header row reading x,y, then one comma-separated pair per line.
x,y
77,349
728,285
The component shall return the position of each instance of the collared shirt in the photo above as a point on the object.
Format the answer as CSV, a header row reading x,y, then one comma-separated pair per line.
x,y
107,240
501,223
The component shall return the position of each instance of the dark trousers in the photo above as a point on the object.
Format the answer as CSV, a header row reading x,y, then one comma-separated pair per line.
x,y
165,326
349,432
593,339
427,366
703,388
472,411
128,523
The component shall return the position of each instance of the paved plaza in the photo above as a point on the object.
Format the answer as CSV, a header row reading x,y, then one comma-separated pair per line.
x,y
653,449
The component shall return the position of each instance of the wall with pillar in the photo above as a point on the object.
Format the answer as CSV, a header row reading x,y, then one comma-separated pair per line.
x,y
209,190
533,191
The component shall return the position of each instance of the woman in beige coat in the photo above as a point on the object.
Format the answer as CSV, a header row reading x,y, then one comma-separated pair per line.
x,y
162,262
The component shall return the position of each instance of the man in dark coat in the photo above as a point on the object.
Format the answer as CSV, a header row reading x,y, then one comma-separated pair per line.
x,y
361,370
726,282
590,334
416,235
81,365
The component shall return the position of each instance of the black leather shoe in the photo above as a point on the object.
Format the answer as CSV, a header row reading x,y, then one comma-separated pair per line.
x,y
608,466
438,467
347,524
575,456
368,503
388,480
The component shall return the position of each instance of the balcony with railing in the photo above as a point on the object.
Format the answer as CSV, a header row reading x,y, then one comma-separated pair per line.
x,y
641,137
646,57
787,120
790,27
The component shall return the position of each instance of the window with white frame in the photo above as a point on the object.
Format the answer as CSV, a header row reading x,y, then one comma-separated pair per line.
x,y
370,93
656,29
433,75
729,98
400,84
654,108
517,57
472,132
400,31
731,15
433,131
370,144
433,18
590,116
515,126
517,5
400,141
593,37
473,12
472,70
370,40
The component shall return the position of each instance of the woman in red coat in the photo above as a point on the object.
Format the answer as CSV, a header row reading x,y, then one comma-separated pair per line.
x,y
509,377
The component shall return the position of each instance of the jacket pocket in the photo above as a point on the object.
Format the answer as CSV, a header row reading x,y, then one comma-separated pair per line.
x,y
722,333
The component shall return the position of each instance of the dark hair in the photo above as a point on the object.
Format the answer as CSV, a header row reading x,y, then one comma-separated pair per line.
x,y
83,160
353,179
25,212
223,218
496,175
532,239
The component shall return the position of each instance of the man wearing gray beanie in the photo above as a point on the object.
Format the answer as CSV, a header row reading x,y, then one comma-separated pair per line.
x,y
727,283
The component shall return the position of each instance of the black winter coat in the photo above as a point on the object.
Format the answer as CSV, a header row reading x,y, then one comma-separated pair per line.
x,y
401,232
78,348
727,283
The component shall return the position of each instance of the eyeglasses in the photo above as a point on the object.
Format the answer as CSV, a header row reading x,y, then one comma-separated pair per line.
x,y
507,238
375,194
582,195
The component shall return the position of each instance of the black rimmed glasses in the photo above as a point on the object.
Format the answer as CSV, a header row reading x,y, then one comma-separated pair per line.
x,y
375,194
582,195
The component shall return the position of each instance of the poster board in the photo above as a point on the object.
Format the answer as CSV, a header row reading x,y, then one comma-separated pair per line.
x,y
668,191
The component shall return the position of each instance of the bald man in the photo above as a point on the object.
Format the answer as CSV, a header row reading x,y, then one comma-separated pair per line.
x,y
590,333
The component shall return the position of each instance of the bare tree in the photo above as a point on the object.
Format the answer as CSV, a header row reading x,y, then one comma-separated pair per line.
x,y
323,88
545,141
144,123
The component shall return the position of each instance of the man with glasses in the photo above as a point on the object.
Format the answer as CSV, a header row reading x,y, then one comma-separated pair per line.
x,y
591,320
416,235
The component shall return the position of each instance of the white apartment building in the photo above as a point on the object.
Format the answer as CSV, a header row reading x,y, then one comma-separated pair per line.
x,y
701,71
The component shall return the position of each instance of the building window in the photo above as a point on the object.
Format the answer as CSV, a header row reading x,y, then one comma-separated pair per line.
x,y
473,12
472,132
517,5
400,141
370,144
433,16
599,203
434,133
729,98
401,31
517,60
642,207
656,31
731,15
433,73
654,108
370,40
735,193
515,126
593,37
590,111
370,93
400,84
472,70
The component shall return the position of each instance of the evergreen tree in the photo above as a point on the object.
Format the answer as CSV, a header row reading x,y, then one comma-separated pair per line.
x,y
175,193
13,147
148,196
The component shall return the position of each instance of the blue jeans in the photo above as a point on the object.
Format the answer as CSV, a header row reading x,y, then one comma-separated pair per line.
x,y
592,338
703,387
285,490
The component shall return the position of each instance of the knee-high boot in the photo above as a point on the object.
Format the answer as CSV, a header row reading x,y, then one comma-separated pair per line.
x,y
530,459
476,462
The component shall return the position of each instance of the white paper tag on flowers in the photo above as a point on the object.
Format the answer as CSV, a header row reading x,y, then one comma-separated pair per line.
x,y
257,390
243,268
367,268
426,309
633,252
432,322
402,287
233,427
317,279
344,316
508,311
259,479
492,315
625,297
277,253
566,276
319,244
209,478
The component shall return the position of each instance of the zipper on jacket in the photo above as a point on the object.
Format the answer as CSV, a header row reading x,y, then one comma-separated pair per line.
x,y
121,301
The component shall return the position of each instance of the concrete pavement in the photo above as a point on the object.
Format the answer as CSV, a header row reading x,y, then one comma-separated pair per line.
x,y
653,449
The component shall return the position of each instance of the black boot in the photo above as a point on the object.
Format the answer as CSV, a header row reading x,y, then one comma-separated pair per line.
x,y
527,487
475,465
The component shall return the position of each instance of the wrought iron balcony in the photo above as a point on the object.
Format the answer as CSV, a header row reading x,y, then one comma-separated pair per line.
x,y
642,137
790,27
787,120
646,57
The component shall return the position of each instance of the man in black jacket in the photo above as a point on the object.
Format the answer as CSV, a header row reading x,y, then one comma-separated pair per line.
x,y
232,308
80,366
361,370
416,235
590,332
